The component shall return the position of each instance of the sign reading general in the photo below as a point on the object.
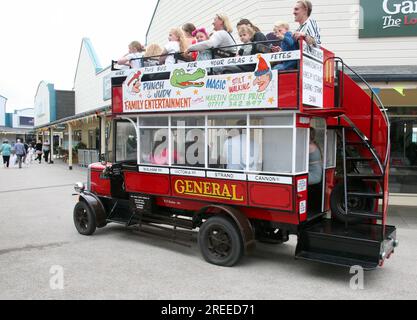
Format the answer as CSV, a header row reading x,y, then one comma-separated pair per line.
x,y
388,18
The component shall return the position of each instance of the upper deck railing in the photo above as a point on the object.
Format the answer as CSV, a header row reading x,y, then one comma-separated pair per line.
x,y
232,83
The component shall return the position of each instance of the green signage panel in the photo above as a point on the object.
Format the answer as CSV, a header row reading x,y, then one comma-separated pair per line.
x,y
388,18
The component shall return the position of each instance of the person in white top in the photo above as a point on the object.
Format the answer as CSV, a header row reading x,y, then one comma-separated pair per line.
x,y
176,44
235,151
308,27
221,36
31,152
133,58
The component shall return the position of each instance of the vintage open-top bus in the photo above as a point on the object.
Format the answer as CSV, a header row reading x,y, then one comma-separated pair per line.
x,y
242,153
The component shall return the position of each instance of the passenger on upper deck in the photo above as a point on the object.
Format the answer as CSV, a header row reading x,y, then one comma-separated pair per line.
x,y
288,43
152,53
188,30
308,27
246,33
133,58
221,37
258,35
201,35
273,40
177,43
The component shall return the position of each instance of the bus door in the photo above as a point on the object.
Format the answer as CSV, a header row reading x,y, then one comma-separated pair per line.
x,y
317,160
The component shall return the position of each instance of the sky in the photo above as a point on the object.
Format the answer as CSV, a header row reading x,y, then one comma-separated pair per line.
x,y
41,40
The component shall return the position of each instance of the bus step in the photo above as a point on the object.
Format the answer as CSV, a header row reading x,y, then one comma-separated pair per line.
x,y
118,221
363,176
177,236
329,242
359,159
336,260
366,195
366,215
354,143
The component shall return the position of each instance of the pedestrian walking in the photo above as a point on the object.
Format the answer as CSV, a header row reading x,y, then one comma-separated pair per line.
x,y
30,154
13,157
46,150
6,150
38,151
26,150
20,152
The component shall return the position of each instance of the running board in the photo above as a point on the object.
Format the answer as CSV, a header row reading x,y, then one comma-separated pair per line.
x,y
362,245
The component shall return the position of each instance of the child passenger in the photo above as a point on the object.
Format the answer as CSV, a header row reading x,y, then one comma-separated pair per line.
x,y
287,44
152,53
133,58
246,34
202,35
176,43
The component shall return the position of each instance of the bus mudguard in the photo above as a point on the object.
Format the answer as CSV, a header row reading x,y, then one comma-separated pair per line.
x,y
96,206
245,227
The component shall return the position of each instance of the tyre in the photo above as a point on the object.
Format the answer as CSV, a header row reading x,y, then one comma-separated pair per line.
x,y
355,203
84,219
220,242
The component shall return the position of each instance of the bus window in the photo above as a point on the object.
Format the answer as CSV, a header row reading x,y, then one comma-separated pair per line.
x,y
282,120
272,150
188,141
196,121
188,147
153,122
227,144
154,146
226,120
126,142
302,149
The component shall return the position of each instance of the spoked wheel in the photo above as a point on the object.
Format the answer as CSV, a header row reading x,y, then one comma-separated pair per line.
x,y
220,242
355,203
84,219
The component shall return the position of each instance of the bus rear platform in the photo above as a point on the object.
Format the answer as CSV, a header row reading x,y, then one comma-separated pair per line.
x,y
328,241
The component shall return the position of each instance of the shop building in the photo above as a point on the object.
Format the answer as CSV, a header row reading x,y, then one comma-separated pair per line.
x,y
80,118
16,125
377,38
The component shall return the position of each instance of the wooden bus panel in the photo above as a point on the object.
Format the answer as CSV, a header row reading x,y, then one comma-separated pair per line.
x,y
301,197
153,184
212,190
117,100
288,90
271,196
99,186
270,215
180,204
328,79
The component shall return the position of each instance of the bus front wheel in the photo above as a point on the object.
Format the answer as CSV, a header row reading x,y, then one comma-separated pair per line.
x,y
84,219
220,242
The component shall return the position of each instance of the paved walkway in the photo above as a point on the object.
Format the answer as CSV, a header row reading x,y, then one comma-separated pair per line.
x,y
37,235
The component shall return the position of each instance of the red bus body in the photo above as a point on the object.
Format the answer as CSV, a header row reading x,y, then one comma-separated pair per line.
x,y
280,201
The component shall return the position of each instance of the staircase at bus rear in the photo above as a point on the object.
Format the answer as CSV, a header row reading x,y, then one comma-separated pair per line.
x,y
356,198
366,146
363,238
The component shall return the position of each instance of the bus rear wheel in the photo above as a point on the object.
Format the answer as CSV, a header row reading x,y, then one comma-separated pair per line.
x,y
84,219
220,242
355,203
